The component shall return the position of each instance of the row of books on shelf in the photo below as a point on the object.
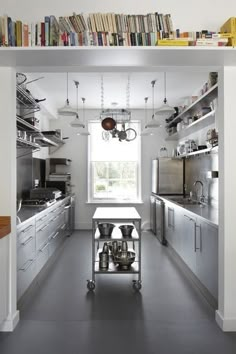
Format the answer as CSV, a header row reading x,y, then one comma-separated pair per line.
x,y
109,30
202,38
81,29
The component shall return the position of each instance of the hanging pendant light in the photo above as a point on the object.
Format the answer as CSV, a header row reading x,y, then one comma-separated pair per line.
x,y
83,131
165,111
66,110
149,127
76,123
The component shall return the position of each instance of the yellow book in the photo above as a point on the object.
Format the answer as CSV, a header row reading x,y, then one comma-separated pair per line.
x,y
18,33
229,26
232,41
172,42
225,35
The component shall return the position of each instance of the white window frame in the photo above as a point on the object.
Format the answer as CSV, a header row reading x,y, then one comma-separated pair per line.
x,y
91,198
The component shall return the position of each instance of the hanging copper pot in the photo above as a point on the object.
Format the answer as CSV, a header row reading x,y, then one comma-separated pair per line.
x,y
108,123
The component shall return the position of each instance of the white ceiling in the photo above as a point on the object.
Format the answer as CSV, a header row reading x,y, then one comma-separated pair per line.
x,y
180,85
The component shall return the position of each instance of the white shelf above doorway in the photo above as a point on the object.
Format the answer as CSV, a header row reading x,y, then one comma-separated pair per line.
x,y
81,58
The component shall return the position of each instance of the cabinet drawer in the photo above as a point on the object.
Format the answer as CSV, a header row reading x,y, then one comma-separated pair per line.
x,y
25,231
26,249
54,243
42,257
42,235
25,276
42,218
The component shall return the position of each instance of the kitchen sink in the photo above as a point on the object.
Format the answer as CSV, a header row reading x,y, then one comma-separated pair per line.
x,y
187,201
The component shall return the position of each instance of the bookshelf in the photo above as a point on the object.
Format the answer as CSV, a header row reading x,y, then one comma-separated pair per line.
x,y
58,58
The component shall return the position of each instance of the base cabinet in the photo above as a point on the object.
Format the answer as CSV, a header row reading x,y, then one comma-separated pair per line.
x,y
189,241
196,242
37,240
207,257
25,276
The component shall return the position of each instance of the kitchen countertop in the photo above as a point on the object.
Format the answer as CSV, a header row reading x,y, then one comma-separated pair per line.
x,y
207,212
26,212
5,226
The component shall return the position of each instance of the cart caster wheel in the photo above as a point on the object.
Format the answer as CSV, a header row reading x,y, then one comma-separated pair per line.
x,y
137,285
91,285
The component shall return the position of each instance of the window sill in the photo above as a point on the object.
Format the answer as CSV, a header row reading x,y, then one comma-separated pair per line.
x,y
114,202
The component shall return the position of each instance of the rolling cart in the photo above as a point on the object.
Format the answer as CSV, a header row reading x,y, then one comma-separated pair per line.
x,y
117,216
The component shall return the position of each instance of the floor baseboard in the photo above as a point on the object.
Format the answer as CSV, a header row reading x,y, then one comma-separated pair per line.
x,y
10,323
226,324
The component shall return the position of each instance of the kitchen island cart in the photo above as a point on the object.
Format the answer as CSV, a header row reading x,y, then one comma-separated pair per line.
x,y
118,216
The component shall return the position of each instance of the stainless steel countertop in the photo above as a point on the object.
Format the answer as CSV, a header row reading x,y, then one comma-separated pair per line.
x,y
207,212
26,212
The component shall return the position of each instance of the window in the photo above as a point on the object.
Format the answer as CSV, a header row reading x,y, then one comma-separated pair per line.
x,y
114,167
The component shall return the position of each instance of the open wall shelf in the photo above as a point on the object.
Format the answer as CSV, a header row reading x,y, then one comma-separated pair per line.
x,y
201,123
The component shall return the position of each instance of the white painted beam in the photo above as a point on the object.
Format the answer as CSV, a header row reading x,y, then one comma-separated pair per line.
x,y
226,314
8,191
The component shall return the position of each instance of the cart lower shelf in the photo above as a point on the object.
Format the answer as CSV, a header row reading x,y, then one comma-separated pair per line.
x,y
112,268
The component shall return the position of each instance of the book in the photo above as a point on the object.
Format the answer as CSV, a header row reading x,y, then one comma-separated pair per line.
x,y
172,42
5,30
54,31
43,39
32,34
25,35
47,30
18,33
229,26
10,31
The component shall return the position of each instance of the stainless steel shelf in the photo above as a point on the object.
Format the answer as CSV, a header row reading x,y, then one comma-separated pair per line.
x,y
25,101
201,123
45,142
198,104
26,144
21,123
199,152
112,268
117,234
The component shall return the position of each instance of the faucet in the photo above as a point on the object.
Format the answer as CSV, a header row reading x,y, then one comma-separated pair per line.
x,y
202,198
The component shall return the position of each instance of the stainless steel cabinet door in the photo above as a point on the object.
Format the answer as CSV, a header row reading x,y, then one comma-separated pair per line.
x,y
189,241
153,214
207,256
170,224
25,243
25,276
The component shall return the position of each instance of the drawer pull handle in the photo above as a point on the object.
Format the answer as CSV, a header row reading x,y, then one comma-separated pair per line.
x,y
63,226
67,207
28,228
190,219
42,249
56,218
27,265
42,218
43,228
27,241
56,234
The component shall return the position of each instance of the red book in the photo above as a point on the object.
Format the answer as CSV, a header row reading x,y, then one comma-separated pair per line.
x,y
43,40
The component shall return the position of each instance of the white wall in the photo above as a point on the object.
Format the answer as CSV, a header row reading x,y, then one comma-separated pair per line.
x,y
8,197
76,150
187,15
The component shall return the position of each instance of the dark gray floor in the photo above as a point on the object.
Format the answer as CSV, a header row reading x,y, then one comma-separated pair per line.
x,y
168,316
